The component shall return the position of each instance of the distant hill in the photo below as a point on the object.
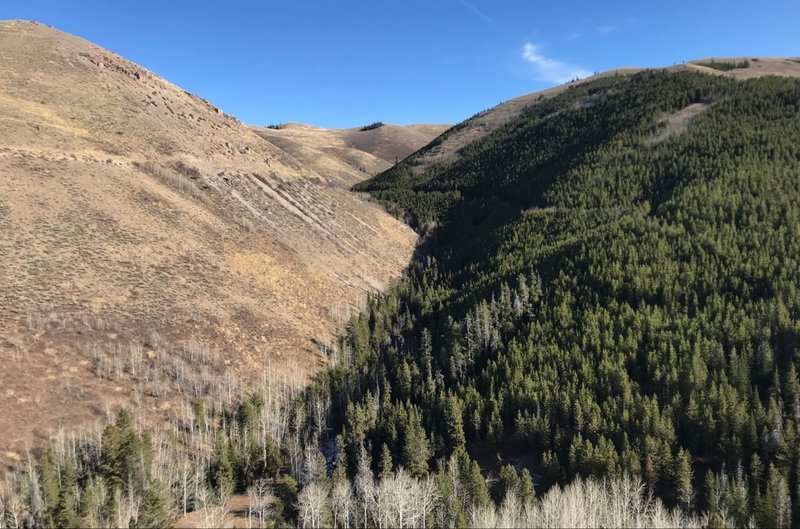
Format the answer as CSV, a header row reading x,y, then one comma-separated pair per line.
x,y
447,147
151,245
350,155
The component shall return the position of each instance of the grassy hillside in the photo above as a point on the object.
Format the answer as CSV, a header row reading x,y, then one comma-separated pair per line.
x,y
609,285
152,247
347,156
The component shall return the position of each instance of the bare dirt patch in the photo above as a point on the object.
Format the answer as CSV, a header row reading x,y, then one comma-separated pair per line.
x,y
676,123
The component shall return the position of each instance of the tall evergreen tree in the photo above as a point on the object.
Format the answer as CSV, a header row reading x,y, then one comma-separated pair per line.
x,y
222,475
66,514
416,451
684,491
155,509
454,438
51,485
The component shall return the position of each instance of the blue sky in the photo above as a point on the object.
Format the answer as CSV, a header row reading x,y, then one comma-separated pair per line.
x,y
343,63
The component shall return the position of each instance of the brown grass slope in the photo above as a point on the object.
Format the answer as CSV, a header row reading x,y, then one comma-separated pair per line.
x,y
350,154
487,121
147,237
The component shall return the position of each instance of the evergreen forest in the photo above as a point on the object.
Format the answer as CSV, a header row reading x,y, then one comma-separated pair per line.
x,y
603,290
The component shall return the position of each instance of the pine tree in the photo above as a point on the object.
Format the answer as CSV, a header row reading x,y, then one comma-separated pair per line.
x,y
91,504
765,359
249,465
126,456
684,491
199,409
649,472
426,353
416,451
67,509
779,501
453,424
110,466
551,470
385,465
507,483
222,476
246,414
272,458
471,480
791,392
494,428
315,466
339,471
756,473
364,484
527,493
51,487
285,504
711,488
796,491
154,510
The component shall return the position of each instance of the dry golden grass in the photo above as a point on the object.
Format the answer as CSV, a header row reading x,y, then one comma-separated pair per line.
x,y
132,212
350,155
756,66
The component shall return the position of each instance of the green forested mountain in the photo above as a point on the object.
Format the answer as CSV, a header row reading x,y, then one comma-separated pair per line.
x,y
609,284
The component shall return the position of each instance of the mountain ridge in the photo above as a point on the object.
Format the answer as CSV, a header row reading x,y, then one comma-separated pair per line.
x,y
445,148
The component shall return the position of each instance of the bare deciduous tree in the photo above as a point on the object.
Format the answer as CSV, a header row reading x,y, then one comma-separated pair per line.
x,y
313,505
342,504
587,503
260,498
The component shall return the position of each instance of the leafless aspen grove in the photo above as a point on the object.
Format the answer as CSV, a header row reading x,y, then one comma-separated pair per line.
x,y
182,471
399,500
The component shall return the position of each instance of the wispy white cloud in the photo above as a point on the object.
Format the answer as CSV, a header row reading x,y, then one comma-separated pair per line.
x,y
477,12
551,70
573,36
605,29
